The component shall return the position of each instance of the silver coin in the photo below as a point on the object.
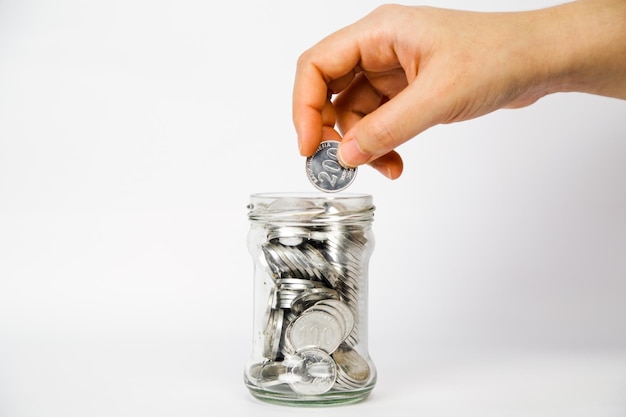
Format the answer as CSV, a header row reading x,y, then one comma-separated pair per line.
x,y
269,373
335,313
315,374
296,283
346,313
315,329
352,368
307,298
324,170
272,334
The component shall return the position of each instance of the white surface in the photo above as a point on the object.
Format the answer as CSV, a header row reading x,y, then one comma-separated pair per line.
x,y
132,133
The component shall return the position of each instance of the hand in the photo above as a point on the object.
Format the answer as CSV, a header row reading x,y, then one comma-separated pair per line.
x,y
400,70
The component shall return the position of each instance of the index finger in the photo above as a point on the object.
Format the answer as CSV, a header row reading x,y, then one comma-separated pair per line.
x,y
326,68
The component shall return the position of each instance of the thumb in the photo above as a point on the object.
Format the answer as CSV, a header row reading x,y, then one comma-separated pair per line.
x,y
390,125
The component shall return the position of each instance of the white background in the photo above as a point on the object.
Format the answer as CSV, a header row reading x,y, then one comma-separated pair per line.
x,y
131,135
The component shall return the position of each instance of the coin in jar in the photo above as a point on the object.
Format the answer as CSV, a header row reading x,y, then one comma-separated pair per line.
x,y
315,374
352,368
324,170
316,329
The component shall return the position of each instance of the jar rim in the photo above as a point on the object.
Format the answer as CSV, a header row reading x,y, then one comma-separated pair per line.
x,y
311,207
311,195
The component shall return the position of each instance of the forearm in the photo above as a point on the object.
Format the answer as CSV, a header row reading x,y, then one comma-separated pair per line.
x,y
584,43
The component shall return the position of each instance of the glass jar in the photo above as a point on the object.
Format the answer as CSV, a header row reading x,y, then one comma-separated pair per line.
x,y
311,254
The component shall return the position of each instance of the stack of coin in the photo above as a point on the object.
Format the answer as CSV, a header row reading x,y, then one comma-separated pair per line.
x,y
311,325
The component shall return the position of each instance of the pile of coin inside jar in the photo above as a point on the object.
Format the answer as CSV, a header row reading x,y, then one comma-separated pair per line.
x,y
311,328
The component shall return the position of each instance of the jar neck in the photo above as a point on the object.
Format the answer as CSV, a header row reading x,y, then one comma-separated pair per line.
x,y
311,209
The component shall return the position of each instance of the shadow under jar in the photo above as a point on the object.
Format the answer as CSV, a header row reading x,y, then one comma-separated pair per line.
x,y
310,254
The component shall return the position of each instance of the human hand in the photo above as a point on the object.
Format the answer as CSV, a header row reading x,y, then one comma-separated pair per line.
x,y
400,70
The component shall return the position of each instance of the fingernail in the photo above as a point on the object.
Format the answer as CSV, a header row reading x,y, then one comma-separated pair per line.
x,y
350,155
300,146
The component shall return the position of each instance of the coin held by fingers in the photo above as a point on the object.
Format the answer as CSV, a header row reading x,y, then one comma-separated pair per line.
x,y
324,170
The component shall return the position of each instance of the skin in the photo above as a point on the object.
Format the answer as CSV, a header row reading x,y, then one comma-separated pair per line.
x,y
386,78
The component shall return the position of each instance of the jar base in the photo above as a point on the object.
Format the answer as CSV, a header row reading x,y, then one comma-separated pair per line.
x,y
328,399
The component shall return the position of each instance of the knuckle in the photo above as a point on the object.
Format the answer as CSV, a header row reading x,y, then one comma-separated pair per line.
x,y
303,59
382,138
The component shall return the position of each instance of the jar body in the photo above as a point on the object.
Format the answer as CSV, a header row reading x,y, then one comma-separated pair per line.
x,y
310,256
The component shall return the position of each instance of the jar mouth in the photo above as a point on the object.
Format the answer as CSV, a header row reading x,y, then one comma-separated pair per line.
x,y
311,207
310,195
